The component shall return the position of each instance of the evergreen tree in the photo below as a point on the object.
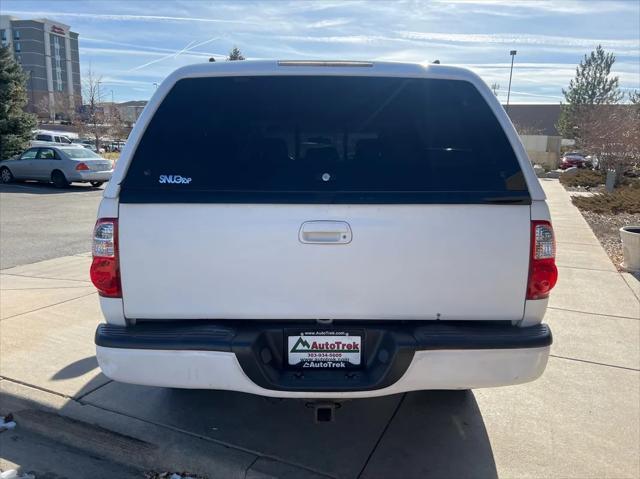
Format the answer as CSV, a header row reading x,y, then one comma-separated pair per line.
x,y
591,86
15,124
235,54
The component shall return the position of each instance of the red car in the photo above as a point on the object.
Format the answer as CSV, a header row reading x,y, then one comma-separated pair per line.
x,y
574,159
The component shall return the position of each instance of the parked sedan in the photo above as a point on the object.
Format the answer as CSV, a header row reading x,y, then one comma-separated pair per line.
x,y
575,159
60,165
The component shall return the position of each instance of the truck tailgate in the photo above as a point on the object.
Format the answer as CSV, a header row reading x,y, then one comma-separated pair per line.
x,y
234,261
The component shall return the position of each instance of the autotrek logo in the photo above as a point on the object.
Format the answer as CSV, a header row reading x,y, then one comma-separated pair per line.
x,y
303,346
174,179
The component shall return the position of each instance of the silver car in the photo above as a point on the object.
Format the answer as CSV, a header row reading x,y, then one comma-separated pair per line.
x,y
60,165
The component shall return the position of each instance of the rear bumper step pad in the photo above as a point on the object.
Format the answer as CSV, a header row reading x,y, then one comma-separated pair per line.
x,y
191,335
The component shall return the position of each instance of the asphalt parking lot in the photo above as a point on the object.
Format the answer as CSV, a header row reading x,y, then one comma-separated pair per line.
x,y
581,419
38,221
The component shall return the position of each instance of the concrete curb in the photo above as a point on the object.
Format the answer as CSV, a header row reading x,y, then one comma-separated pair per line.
x,y
132,442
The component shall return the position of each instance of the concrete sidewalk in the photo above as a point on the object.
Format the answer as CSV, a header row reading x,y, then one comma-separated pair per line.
x,y
581,419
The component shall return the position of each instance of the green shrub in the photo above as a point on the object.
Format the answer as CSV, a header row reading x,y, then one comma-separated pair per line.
x,y
624,199
583,178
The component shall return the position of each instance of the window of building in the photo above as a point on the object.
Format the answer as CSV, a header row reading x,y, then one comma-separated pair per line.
x,y
16,34
3,35
18,48
19,58
57,66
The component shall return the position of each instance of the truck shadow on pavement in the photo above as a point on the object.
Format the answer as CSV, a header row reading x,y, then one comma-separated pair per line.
x,y
80,368
76,368
437,434
36,188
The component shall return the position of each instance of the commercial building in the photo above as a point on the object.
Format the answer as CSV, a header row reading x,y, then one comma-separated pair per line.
x,y
48,52
533,119
128,112
131,110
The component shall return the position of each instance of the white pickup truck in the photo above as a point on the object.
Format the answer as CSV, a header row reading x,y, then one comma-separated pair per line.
x,y
326,230
49,138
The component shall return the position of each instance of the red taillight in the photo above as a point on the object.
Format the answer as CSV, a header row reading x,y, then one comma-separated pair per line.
x,y
105,267
82,167
543,273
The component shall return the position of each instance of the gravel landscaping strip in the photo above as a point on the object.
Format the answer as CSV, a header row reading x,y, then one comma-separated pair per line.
x,y
606,212
607,229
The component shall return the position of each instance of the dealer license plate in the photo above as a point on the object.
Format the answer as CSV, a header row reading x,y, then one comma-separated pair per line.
x,y
324,349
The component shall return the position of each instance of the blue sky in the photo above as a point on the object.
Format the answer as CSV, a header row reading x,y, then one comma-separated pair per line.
x,y
133,44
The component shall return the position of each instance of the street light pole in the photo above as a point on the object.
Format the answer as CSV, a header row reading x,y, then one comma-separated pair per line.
x,y
111,108
99,97
513,55
99,102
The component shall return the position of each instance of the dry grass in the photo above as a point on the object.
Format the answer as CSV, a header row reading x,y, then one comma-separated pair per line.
x,y
111,156
624,199
584,178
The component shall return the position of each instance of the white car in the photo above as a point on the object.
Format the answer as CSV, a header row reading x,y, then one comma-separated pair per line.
x,y
60,165
327,230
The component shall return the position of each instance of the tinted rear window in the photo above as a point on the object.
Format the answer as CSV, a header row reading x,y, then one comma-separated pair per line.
x,y
324,140
80,152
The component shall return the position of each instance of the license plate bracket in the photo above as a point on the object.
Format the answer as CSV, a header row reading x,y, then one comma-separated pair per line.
x,y
324,349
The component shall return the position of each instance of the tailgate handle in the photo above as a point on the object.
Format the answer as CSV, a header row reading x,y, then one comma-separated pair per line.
x,y
325,232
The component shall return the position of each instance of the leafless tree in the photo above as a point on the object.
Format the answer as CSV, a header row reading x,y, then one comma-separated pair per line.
x,y
612,133
62,108
495,87
117,126
42,108
93,123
